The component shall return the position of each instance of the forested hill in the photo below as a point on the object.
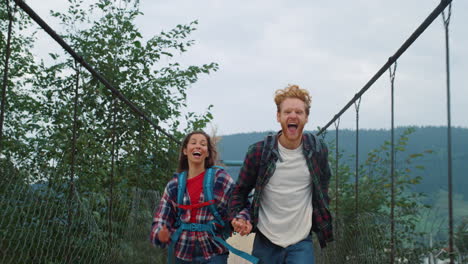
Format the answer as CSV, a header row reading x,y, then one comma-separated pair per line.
x,y
233,147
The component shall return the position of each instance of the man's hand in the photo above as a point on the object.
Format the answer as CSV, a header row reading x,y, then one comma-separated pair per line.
x,y
241,226
163,234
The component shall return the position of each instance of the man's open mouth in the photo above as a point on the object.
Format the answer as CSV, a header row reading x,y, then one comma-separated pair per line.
x,y
292,128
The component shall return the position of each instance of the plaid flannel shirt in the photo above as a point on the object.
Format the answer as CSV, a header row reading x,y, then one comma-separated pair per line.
x,y
256,175
166,214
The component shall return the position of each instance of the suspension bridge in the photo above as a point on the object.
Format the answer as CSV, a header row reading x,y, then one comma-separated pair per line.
x,y
60,202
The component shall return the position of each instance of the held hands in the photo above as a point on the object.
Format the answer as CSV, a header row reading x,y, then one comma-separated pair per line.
x,y
241,226
163,234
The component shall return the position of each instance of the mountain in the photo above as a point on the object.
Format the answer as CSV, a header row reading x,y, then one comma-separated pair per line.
x,y
234,147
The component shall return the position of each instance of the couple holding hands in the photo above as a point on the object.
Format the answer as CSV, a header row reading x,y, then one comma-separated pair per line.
x,y
289,174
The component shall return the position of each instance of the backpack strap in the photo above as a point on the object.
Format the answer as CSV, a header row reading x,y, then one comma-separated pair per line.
x,y
208,186
268,144
315,142
181,186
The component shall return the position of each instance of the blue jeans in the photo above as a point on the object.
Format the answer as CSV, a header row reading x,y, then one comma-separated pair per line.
x,y
218,259
199,259
300,253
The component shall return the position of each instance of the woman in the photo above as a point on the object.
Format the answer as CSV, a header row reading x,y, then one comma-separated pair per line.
x,y
197,154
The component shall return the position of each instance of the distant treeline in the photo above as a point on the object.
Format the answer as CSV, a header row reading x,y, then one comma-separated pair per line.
x,y
233,147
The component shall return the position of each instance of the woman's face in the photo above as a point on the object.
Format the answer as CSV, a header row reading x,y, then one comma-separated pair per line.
x,y
196,149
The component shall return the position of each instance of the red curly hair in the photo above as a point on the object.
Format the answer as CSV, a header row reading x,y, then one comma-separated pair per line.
x,y
293,91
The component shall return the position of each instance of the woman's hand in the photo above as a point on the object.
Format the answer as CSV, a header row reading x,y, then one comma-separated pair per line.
x,y
163,234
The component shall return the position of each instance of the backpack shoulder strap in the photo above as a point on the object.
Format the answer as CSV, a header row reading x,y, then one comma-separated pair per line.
x,y
268,144
181,187
314,141
208,186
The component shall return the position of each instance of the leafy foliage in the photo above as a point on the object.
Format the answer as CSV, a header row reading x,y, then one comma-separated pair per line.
x,y
366,225
79,200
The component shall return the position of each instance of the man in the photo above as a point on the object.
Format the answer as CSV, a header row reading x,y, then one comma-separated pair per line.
x,y
290,174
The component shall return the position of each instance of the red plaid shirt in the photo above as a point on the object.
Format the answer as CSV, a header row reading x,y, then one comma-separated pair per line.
x,y
166,214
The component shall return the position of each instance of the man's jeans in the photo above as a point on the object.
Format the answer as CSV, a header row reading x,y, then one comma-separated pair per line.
x,y
300,253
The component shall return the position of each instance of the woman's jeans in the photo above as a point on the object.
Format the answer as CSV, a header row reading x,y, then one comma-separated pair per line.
x,y
199,259
300,253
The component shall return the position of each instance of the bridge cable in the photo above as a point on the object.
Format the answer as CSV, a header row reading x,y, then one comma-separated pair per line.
x,y
337,124
392,164
112,172
5,72
446,21
96,74
426,23
73,159
337,192
356,186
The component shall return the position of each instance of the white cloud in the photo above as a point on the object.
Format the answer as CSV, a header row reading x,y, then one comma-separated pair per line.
x,y
331,48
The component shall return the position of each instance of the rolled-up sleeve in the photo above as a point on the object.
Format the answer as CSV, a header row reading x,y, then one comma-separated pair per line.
x,y
239,204
165,215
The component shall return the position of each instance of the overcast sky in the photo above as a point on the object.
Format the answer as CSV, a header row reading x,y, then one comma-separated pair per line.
x,y
331,48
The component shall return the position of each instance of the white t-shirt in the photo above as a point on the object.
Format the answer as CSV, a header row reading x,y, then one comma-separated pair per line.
x,y
285,214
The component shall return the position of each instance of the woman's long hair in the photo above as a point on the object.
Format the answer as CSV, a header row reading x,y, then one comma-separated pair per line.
x,y
212,153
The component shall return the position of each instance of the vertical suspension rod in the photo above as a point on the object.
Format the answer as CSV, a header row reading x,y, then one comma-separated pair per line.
x,y
337,157
446,21
392,165
5,72
356,179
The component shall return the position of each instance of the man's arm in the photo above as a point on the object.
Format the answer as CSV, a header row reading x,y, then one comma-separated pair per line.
x,y
245,182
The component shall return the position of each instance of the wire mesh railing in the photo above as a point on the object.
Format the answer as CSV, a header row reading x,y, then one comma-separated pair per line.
x,y
81,165
76,182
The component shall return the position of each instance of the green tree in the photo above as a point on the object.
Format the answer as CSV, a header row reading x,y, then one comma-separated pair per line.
x,y
461,239
115,47
88,218
364,236
20,105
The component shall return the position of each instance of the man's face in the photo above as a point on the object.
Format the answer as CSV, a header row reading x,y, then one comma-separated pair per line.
x,y
292,117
